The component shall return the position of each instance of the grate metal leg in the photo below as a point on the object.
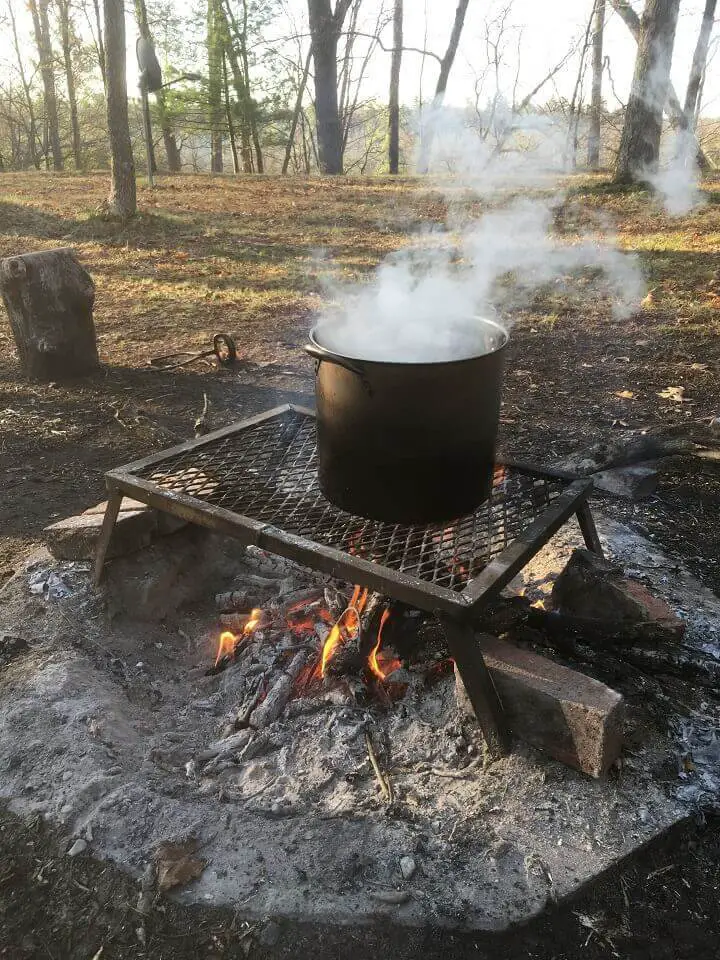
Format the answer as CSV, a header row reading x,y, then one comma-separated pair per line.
x,y
115,498
588,529
468,657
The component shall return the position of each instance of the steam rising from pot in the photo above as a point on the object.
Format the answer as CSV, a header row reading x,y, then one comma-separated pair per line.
x,y
420,303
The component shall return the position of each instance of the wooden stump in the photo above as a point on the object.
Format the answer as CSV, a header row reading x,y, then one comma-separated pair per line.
x,y
49,299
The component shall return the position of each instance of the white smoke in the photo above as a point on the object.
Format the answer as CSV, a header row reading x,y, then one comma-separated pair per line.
x,y
678,180
421,302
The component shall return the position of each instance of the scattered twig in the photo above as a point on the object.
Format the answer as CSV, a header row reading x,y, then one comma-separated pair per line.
x,y
383,782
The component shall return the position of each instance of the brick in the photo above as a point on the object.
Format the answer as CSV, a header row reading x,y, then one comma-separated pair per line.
x,y
630,483
595,589
127,504
567,715
76,538
166,522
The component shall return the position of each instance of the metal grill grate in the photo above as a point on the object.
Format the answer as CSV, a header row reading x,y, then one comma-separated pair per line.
x,y
267,471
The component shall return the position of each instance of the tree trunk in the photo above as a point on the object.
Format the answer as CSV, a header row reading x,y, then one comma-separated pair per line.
x,y
100,43
296,112
445,68
394,98
41,27
596,101
325,27
122,199
240,82
640,141
65,38
214,52
449,58
228,115
251,111
32,132
698,65
240,94
172,153
673,107
49,299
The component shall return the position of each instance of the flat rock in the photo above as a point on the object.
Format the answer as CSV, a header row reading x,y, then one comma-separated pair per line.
x,y
80,846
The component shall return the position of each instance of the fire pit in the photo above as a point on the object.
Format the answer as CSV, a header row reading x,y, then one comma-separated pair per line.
x,y
257,481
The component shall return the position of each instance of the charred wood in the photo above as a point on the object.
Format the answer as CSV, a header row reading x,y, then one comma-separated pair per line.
x,y
279,693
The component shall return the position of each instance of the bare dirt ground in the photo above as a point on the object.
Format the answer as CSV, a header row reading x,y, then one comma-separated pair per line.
x,y
245,257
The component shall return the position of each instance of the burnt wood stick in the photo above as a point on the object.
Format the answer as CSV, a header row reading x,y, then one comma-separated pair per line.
x,y
279,693
479,686
233,601
335,601
225,746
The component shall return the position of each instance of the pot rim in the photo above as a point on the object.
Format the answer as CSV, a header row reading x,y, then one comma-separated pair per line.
x,y
505,333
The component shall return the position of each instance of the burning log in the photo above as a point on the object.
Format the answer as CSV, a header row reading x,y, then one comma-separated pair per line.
x,y
335,602
279,693
353,652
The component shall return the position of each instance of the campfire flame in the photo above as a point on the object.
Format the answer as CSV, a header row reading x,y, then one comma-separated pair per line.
x,y
228,641
301,619
373,659
226,646
335,637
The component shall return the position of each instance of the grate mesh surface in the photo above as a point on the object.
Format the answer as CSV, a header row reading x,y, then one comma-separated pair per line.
x,y
268,472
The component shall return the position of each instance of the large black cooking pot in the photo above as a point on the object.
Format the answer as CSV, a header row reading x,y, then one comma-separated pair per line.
x,y
409,442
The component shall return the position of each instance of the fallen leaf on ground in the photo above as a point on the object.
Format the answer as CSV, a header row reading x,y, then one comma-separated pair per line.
x,y
648,300
699,366
176,865
677,394
625,394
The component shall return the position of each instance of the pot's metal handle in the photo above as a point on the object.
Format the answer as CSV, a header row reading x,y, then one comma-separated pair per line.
x,y
320,354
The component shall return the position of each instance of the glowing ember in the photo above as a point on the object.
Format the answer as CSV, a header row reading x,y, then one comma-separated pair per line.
x,y
226,647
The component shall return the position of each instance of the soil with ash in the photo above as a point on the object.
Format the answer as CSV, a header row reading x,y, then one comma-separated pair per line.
x,y
661,905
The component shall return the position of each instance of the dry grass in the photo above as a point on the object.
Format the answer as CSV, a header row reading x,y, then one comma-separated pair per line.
x,y
248,256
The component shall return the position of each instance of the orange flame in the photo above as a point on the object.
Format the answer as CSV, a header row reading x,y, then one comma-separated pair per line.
x,y
373,658
228,641
254,621
226,647
335,637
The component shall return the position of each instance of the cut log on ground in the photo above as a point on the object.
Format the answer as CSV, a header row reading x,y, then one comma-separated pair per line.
x,y
567,715
49,299
622,452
